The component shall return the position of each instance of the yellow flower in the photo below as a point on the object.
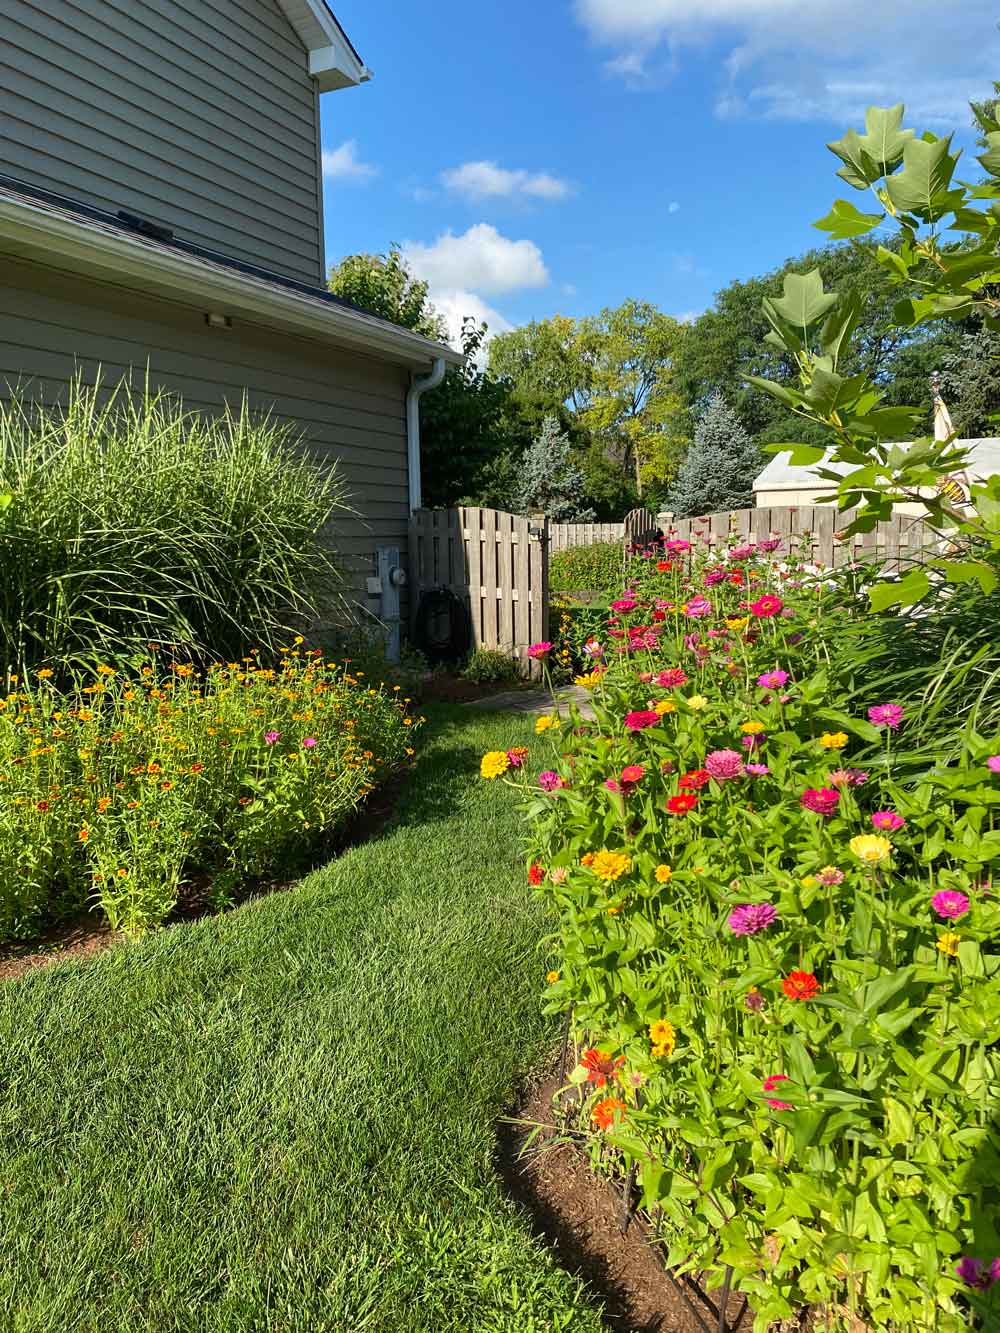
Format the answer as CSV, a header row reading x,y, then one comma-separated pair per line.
x,y
610,865
663,874
45,673
589,681
808,881
697,701
948,943
552,977
752,728
737,622
544,723
665,706
833,740
494,763
663,1036
105,671
871,848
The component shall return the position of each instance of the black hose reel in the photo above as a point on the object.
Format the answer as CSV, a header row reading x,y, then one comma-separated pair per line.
x,y
443,627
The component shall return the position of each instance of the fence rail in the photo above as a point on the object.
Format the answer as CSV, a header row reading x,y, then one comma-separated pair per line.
x,y
564,535
496,562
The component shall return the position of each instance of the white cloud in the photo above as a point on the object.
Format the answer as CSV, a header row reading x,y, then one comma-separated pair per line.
x,y
483,180
673,206
480,260
812,60
343,163
455,305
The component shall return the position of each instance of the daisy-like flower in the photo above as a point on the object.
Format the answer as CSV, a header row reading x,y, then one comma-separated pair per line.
x,y
493,764
948,944
601,1068
724,765
801,985
697,702
950,904
830,876
887,821
663,1036
772,680
539,650
823,801
671,678
552,977
871,848
758,770
752,728
885,715
610,866
750,918
607,1112
766,606
640,719
663,874
833,740
682,804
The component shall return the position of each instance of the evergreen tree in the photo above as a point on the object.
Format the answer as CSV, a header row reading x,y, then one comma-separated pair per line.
x,y
720,467
551,483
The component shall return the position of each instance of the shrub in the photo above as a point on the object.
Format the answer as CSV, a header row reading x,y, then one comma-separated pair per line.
x,y
596,568
778,938
132,520
489,666
721,465
124,788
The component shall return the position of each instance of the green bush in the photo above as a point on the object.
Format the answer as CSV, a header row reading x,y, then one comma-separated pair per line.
x,y
132,520
596,568
487,666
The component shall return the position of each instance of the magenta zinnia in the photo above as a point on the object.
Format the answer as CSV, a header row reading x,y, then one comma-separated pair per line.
x,y
639,720
671,679
749,918
772,680
885,715
539,650
724,765
950,904
823,801
887,821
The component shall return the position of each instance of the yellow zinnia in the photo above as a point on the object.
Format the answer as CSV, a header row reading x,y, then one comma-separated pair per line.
x,y
552,977
544,723
833,740
665,706
737,622
610,865
948,943
697,701
589,681
752,728
663,874
871,848
663,1036
493,764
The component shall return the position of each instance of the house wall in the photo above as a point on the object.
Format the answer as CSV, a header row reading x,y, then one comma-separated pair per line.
x,y
350,408
813,495
197,114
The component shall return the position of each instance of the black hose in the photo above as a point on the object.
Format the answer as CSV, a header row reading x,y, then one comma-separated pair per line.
x,y
442,627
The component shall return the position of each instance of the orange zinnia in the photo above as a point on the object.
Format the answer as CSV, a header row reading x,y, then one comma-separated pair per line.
x,y
607,1111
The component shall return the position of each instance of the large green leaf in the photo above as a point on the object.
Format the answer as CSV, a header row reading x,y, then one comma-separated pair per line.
x,y
910,588
859,169
844,221
840,324
926,174
885,140
790,397
804,300
801,455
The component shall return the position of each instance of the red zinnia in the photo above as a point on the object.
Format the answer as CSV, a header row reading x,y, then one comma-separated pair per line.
x,y
664,566
681,805
695,779
606,1111
600,1067
536,874
800,985
768,605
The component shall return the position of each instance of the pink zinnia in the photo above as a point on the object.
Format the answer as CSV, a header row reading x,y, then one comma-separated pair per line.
x,y
847,777
673,678
772,680
885,715
623,604
592,649
698,607
549,781
538,650
714,576
771,544
677,544
309,742
821,802
632,773
637,721
950,904
749,918
766,606
887,821
271,737
742,552
724,764
830,876
993,763
770,1084
758,770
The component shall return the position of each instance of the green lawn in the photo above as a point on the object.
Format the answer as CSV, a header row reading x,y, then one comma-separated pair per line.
x,y
282,1118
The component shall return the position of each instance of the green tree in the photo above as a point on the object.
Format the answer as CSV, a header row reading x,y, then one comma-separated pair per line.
x,y
720,467
551,483
384,285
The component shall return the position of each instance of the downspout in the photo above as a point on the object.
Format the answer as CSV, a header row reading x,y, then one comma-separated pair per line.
x,y
418,388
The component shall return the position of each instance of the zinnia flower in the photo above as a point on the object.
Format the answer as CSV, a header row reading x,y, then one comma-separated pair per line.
x,y
697,702
592,649
549,781
610,865
822,802
272,737
606,1112
758,770
664,566
830,876
887,821
517,756
885,715
641,719
631,774
772,1082
769,545
752,728
993,763
950,904
847,777
871,848
677,544
833,740
536,873
772,680
493,764
663,1036
600,1067
624,604
974,1273
671,679
800,985
663,874
539,650
754,1001
723,765
698,607
695,779
749,918
948,943
544,723
681,805
309,742
558,875
766,606
552,977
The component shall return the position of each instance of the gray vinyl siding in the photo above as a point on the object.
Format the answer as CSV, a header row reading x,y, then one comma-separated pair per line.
x,y
349,408
198,114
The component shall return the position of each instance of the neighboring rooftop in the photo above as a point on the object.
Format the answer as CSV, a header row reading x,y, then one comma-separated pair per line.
x,y
782,475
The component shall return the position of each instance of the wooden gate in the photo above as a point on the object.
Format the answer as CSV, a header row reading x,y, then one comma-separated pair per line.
x,y
496,562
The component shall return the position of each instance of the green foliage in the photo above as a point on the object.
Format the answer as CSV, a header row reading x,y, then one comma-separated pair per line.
x,y
810,1102
384,285
550,482
132,520
127,787
489,666
596,568
719,470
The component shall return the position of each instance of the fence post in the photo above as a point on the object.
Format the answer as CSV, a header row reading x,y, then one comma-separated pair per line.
x,y
538,580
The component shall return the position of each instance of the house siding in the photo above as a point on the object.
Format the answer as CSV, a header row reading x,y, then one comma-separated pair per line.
x,y
197,114
350,409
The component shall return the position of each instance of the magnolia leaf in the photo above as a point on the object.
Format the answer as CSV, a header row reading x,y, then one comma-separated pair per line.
x,y
927,172
845,221
804,300
909,589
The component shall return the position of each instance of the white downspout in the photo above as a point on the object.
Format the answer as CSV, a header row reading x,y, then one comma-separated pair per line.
x,y
418,388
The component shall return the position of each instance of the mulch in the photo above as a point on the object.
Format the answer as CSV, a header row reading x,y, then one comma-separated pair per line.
x,y
581,1216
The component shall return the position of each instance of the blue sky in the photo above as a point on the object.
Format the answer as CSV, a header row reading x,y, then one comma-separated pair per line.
x,y
558,156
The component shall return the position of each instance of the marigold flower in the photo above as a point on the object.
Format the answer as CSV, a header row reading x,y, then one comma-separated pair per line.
x,y
769,1085
606,1112
697,702
493,764
948,943
800,986
887,821
610,866
749,918
833,740
663,1035
663,874
600,1067
871,848
950,904
552,977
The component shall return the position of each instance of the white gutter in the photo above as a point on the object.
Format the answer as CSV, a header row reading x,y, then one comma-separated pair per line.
x,y
89,248
418,388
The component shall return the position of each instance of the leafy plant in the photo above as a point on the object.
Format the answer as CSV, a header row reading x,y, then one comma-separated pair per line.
x,y
489,666
596,568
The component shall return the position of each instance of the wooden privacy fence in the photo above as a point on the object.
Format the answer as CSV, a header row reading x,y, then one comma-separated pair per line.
x,y
496,563
811,530
564,535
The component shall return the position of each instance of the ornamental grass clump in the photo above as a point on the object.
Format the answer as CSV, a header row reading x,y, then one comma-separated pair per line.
x,y
117,793
815,929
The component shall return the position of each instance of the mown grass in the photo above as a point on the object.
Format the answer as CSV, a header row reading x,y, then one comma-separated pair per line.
x,y
283,1118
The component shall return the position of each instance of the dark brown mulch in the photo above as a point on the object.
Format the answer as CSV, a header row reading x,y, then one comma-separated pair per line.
x,y
580,1215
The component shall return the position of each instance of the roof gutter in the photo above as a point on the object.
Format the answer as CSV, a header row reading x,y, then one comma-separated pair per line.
x,y
132,262
418,388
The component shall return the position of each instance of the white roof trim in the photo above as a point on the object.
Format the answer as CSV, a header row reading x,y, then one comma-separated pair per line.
x,y
92,249
333,61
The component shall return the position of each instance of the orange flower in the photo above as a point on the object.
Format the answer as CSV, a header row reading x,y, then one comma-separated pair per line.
x,y
607,1111
84,834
